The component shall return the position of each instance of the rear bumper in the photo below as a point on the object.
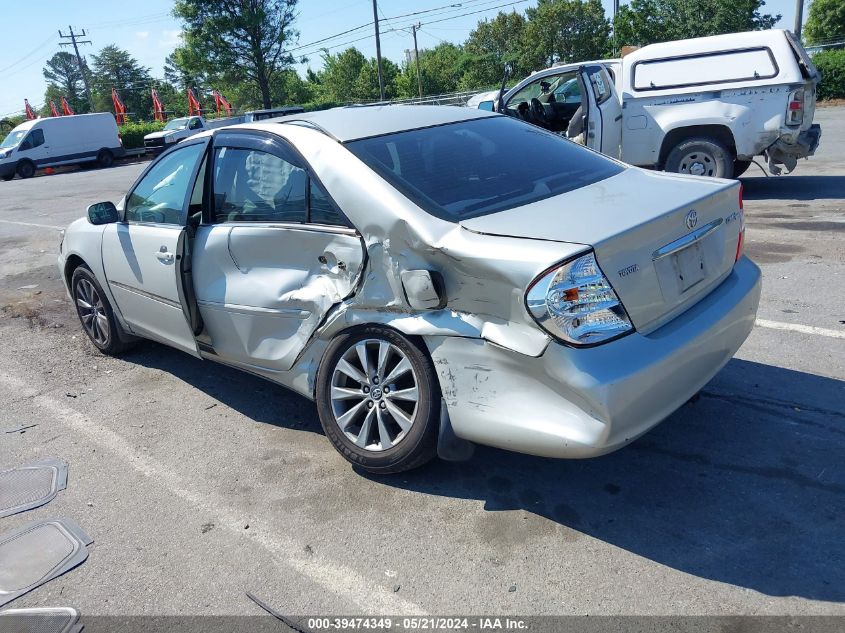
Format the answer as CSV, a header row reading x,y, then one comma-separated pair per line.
x,y
577,403
787,151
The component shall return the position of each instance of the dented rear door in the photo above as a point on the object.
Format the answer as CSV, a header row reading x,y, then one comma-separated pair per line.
x,y
272,257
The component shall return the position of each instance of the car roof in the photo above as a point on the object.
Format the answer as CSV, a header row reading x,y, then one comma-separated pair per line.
x,y
356,122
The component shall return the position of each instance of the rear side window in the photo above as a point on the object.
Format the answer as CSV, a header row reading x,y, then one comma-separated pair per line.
x,y
254,186
705,68
473,168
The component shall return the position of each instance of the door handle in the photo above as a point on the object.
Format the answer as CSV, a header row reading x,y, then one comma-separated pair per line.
x,y
164,257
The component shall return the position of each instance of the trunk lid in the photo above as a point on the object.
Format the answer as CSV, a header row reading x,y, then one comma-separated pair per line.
x,y
663,241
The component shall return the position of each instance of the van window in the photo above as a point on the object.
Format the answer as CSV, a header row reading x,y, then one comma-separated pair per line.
x,y
35,138
705,68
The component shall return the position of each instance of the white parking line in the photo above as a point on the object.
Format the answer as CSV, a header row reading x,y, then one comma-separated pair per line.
x,y
37,226
337,579
797,327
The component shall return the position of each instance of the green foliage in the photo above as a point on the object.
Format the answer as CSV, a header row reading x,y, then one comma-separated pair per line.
x,y
239,42
115,68
648,21
440,72
825,21
831,64
64,78
7,124
489,47
133,133
565,31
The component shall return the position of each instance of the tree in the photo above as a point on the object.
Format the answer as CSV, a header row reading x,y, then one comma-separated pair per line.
x,y
825,21
115,68
441,70
647,21
65,79
240,40
491,45
565,31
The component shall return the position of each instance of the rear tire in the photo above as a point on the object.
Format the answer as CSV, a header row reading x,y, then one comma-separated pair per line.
x,y
95,312
740,167
702,156
26,169
105,158
379,400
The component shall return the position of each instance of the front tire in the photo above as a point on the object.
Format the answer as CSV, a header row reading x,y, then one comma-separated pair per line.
x,y
702,156
379,400
26,169
95,312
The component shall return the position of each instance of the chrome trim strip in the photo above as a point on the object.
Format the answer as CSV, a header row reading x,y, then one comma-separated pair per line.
x,y
682,242
146,295
319,228
290,313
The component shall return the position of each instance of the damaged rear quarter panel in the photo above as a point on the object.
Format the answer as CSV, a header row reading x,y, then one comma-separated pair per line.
x,y
485,277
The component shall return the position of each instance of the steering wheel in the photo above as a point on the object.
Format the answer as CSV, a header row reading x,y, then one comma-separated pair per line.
x,y
523,110
539,112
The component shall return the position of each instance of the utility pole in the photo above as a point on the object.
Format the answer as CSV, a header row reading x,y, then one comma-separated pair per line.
x,y
82,68
414,28
378,52
799,18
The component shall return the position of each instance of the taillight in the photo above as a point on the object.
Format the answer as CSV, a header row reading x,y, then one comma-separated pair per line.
x,y
575,303
795,107
740,240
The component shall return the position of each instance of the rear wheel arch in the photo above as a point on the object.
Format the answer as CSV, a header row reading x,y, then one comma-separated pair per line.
x,y
720,133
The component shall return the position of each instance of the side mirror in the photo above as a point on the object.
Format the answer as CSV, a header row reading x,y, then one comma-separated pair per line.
x,y
103,213
486,105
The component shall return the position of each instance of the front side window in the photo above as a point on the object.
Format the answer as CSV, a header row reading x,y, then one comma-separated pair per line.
x,y
255,186
33,140
161,194
473,168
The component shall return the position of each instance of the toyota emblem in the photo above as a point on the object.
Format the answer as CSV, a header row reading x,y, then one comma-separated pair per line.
x,y
691,219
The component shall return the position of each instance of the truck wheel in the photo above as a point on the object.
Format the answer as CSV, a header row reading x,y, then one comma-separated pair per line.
x,y
701,156
740,167
105,158
379,400
26,169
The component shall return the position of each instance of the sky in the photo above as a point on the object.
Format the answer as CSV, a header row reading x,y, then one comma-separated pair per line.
x,y
148,31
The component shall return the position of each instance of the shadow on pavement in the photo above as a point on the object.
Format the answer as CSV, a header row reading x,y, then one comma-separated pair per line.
x,y
746,486
794,187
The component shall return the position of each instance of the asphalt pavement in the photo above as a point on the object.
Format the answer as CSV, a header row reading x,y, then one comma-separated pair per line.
x,y
199,483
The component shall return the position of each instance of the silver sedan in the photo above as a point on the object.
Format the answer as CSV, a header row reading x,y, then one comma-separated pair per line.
x,y
432,277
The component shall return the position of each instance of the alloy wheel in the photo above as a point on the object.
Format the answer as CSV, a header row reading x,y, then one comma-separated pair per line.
x,y
374,394
91,311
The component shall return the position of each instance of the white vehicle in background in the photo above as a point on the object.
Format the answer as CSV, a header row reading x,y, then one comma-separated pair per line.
x,y
55,141
176,130
184,127
706,106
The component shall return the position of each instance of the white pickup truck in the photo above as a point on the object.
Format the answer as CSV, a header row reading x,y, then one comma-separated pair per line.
x,y
179,129
704,106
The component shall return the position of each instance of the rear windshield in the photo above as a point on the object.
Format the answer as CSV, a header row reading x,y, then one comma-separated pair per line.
x,y
472,168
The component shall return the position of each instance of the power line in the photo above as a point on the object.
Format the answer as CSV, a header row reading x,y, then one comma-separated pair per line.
x,y
44,44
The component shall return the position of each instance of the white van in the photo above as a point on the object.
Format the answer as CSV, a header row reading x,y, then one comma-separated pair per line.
x,y
65,140
706,106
